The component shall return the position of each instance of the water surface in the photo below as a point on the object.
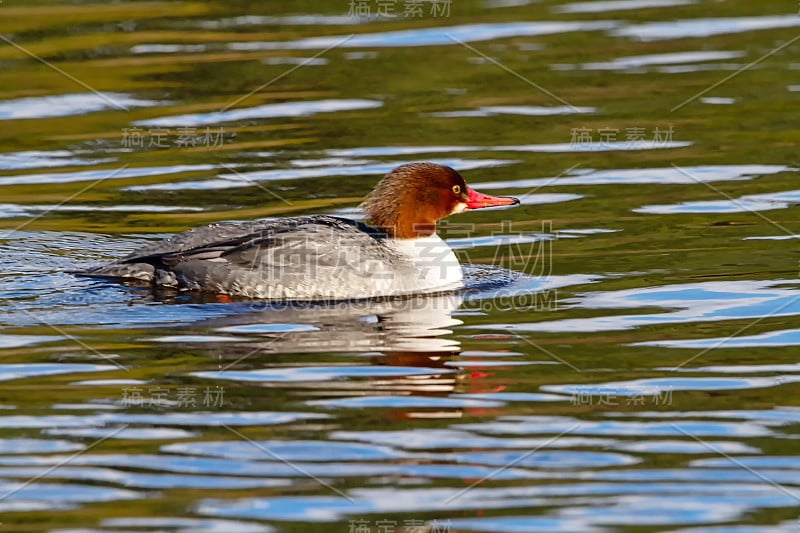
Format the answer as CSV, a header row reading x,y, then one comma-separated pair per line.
x,y
623,356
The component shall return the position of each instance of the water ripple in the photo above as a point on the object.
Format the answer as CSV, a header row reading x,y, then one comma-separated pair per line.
x,y
786,337
186,525
637,62
603,6
318,373
290,450
705,27
743,204
529,425
247,179
285,109
536,111
403,402
435,36
102,174
45,159
68,104
27,370
642,176
695,302
596,503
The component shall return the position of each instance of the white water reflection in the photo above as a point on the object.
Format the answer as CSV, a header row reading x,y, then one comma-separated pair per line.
x,y
25,446
434,439
495,4
466,243
20,371
747,203
434,36
68,104
661,388
167,48
232,469
535,111
34,495
777,416
609,146
18,210
180,419
305,61
129,433
634,62
17,341
552,460
247,179
379,151
282,20
285,109
100,174
786,461
548,198
682,69
603,6
185,525
717,100
45,159
581,506
640,176
785,337
693,302
290,450
385,401
545,425
784,237
705,27
743,369
322,373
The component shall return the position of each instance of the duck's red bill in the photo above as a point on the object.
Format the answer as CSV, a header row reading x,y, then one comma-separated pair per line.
x,y
478,200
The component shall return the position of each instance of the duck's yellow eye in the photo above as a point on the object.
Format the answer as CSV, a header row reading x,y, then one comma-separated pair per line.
x,y
456,189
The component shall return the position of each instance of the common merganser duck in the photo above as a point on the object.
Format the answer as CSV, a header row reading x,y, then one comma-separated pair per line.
x,y
320,257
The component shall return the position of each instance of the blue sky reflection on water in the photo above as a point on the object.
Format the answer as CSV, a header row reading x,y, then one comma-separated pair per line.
x,y
711,301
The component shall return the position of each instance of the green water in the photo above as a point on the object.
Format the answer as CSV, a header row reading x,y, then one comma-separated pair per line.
x,y
640,373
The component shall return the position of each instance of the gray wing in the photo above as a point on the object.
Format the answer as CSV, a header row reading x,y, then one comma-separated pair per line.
x,y
315,257
136,266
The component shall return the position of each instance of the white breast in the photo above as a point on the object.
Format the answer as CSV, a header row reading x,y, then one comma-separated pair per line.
x,y
436,264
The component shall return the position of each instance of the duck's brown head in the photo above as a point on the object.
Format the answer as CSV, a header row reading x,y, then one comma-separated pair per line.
x,y
409,201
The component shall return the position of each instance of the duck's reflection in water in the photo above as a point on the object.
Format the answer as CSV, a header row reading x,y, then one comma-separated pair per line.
x,y
391,353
